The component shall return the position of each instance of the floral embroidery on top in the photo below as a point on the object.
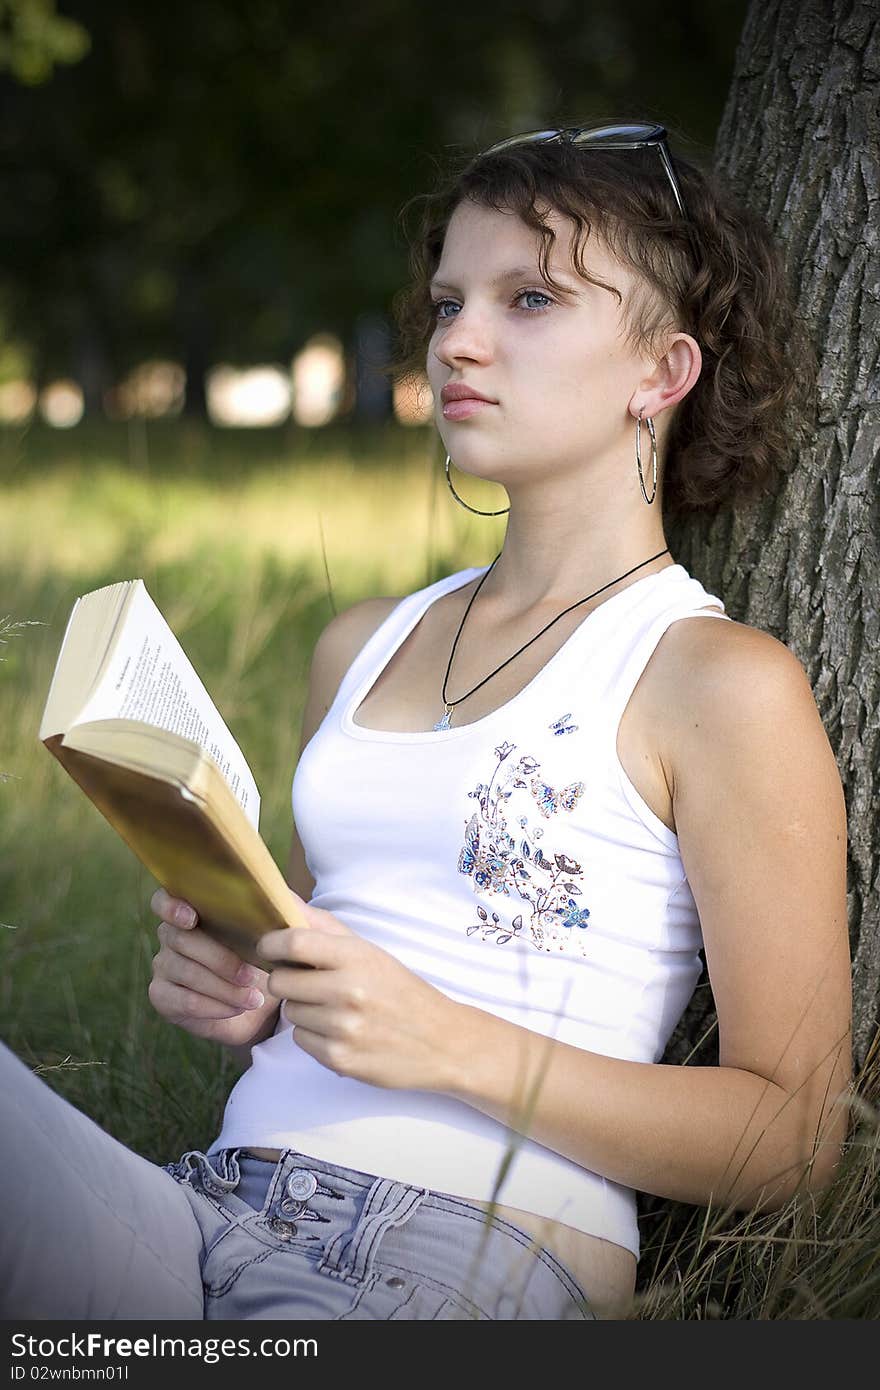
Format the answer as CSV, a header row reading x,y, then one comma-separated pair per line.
x,y
497,862
562,726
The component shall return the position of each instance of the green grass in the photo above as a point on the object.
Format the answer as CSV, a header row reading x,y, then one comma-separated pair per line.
x,y
249,542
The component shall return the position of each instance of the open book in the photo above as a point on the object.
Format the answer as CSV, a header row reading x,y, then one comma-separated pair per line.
x,y
129,719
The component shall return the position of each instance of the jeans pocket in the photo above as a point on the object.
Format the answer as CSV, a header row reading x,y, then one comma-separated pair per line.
x,y
412,1301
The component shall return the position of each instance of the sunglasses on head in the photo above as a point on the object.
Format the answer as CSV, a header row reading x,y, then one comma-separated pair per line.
x,y
603,137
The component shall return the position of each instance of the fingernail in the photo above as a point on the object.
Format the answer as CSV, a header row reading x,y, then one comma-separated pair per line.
x,y
255,999
185,917
245,975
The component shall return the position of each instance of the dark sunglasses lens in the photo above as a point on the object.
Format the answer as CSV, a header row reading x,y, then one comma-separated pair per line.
x,y
613,133
522,140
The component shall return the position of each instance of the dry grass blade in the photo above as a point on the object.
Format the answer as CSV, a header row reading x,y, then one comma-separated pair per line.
x,y
816,1257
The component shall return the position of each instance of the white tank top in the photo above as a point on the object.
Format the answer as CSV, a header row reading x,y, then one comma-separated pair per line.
x,y
512,864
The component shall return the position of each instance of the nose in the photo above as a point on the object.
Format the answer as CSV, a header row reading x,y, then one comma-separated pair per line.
x,y
465,337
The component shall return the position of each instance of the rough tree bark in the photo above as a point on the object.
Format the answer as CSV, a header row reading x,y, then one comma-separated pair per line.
x,y
799,142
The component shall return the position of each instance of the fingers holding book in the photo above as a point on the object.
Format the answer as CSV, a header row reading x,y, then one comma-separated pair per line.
x,y
203,986
175,910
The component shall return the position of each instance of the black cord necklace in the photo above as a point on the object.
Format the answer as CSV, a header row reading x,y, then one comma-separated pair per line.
x,y
449,706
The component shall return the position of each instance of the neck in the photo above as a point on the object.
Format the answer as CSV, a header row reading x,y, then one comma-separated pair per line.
x,y
556,553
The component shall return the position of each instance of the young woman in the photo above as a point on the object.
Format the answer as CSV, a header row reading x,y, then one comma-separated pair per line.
x,y
528,795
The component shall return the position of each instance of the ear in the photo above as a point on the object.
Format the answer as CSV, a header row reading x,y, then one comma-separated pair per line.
x,y
672,377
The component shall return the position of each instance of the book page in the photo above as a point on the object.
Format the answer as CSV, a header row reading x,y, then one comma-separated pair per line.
x,y
149,677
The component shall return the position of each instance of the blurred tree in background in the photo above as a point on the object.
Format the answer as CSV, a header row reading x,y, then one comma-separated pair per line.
x,y
218,181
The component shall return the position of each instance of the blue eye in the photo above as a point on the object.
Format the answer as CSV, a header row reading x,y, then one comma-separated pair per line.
x,y
540,295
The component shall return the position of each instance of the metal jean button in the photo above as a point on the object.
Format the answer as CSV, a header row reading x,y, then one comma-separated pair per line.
x,y
301,1184
394,1283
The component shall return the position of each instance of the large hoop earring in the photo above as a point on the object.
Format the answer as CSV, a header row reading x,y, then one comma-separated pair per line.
x,y
475,510
650,423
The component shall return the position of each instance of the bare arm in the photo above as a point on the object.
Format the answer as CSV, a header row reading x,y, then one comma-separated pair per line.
x,y
761,821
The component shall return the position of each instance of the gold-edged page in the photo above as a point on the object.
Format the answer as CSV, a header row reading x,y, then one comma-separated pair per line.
x,y
83,651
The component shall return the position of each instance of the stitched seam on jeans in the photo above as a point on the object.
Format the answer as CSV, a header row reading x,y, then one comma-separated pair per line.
x,y
132,1230
218,1290
370,1212
230,1217
349,1187
398,1311
361,1258
527,1242
258,1229
428,1281
362,1288
404,1206
465,1306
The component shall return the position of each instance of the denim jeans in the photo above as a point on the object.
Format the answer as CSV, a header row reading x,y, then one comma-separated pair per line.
x,y
90,1230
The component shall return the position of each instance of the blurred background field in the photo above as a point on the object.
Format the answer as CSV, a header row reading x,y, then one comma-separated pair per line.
x,y
248,545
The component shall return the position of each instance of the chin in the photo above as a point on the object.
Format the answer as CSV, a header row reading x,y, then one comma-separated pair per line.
x,y
485,474
477,456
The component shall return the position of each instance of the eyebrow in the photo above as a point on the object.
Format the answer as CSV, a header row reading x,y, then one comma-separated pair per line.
x,y
518,272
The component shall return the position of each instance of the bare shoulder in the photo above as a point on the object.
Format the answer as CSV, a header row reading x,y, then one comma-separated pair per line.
x,y
349,630
746,740
732,685
725,667
339,643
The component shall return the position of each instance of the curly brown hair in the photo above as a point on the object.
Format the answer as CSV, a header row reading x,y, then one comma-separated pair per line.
x,y
719,277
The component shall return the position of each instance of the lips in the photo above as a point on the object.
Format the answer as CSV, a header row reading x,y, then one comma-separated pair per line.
x,y
460,391
468,405
461,400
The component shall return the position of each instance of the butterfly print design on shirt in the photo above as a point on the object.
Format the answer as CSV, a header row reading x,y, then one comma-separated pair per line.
x,y
498,862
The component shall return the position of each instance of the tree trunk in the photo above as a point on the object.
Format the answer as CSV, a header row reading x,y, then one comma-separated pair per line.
x,y
194,335
90,365
372,348
799,142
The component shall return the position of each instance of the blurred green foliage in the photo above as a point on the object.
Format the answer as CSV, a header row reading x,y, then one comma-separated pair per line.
x,y
218,181
34,38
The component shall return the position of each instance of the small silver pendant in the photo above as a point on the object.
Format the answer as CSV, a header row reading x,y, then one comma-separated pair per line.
x,y
444,722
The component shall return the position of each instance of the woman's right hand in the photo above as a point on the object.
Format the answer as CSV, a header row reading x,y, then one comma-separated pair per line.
x,y
203,986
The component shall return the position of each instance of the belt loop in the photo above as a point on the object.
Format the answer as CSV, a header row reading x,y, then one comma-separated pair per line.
x,y
217,1175
350,1255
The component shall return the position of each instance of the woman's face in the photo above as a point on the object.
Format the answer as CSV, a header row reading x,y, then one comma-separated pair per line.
x,y
555,367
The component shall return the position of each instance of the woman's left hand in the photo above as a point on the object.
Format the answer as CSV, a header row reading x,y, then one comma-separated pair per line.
x,y
359,1012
